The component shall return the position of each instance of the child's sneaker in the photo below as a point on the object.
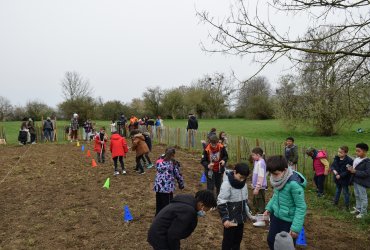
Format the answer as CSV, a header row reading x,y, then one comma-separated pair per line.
x,y
354,211
360,216
259,224
142,172
123,171
116,173
149,166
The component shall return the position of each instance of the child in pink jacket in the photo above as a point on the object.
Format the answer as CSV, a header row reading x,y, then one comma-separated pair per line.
x,y
321,168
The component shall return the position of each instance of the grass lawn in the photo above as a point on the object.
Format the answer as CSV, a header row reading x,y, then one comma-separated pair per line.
x,y
267,130
273,130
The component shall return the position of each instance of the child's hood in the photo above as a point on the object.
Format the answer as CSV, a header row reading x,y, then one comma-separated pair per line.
x,y
185,198
299,178
115,137
321,154
139,136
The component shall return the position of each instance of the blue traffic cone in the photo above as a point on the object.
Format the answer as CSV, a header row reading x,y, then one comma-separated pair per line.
x,y
203,179
83,148
127,217
301,241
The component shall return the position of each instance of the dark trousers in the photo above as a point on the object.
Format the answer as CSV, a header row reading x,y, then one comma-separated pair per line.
x,y
319,182
232,237
138,163
162,200
276,226
120,159
215,181
33,138
259,202
338,190
147,159
101,158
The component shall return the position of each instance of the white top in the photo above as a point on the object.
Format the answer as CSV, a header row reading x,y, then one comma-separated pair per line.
x,y
357,161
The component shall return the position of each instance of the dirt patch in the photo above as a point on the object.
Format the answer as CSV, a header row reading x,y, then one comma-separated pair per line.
x,y
54,199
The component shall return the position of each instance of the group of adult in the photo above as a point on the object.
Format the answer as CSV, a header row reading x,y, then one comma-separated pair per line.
x,y
28,133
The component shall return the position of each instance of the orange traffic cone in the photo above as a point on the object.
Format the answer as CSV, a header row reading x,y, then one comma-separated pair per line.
x,y
93,163
88,153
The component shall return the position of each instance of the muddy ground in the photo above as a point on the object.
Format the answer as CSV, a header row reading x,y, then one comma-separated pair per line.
x,y
51,198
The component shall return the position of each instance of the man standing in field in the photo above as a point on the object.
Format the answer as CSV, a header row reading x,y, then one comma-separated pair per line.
x,y
74,127
191,130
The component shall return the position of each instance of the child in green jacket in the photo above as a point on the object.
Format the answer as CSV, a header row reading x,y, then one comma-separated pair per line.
x,y
287,207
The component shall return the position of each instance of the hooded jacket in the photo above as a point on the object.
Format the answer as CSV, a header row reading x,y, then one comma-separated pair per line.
x,y
340,166
232,200
288,203
167,172
291,154
362,175
192,123
174,222
118,145
320,162
139,145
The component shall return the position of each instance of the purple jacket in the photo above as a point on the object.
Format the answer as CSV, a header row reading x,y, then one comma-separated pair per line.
x,y
259,174
167,172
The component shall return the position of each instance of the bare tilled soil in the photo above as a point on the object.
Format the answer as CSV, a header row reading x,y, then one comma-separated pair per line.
x,y
51,198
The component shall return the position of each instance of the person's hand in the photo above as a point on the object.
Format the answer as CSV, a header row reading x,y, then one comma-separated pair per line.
x,y
266,213
337,176
210,166
228,224
335,172
352,170
222,162
255,191
293,234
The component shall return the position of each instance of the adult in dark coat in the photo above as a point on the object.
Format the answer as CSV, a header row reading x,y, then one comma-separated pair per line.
x,y
191,130
179,219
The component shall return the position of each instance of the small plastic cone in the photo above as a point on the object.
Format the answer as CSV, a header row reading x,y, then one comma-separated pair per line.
x,y
107,183
93,163
301,241
127,217
83,148
203,179
78,144
88,154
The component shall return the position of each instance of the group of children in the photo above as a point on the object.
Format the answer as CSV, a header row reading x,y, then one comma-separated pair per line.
x,y
346,172
176,217
141,144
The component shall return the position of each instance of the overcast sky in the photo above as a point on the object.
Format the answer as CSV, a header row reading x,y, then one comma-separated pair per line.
x,y
122,47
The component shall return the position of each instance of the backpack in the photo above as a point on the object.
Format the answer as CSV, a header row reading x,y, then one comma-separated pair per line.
x,y
148,141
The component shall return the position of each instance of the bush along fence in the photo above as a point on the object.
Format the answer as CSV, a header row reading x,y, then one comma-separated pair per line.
x,y
239,149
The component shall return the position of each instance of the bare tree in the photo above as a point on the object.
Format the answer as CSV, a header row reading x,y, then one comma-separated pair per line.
x,y
74,86
245,32
323,95
5,109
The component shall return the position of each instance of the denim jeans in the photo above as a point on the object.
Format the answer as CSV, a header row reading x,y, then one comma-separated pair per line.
x,y
361,198
190,137
338,190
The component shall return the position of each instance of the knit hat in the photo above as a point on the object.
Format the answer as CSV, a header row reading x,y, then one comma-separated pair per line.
x,y
283,241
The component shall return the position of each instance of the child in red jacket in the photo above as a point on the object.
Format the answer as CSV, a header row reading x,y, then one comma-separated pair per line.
x,y
321,168
118,148
100,144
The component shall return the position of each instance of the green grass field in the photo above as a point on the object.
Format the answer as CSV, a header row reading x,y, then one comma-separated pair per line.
x,y
273,130
268,130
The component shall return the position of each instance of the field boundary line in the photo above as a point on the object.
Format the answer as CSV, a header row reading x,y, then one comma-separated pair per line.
x,y
15,165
